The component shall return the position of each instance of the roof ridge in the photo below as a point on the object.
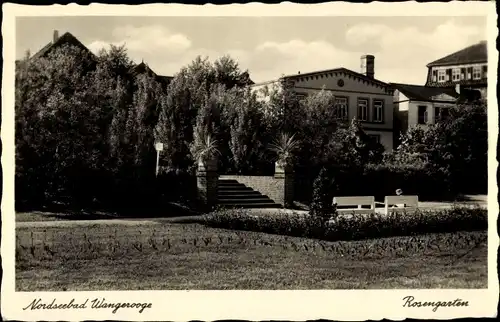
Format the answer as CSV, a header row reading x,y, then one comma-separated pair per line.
x,y
457,53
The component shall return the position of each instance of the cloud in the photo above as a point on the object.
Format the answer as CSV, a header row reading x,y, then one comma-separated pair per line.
x,y
298,55
400,53
405,47
146,42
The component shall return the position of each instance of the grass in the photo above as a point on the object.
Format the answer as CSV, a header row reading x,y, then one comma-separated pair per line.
x,y
149,255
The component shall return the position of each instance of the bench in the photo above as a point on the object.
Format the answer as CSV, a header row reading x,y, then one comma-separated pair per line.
x,y
359,201
402,203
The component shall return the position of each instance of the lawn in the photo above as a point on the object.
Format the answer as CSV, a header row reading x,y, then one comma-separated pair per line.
x,y
162,255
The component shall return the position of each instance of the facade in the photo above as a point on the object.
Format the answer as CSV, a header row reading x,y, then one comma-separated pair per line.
x,y
467,68
357,95
416,105
457,77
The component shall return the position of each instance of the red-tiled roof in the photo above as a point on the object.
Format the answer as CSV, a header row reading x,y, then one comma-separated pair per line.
x,y
477,53
423,93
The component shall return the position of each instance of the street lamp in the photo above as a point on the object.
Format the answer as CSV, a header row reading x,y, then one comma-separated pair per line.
x,y
159,148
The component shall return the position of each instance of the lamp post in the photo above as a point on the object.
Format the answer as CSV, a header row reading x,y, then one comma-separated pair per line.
x,y
159,148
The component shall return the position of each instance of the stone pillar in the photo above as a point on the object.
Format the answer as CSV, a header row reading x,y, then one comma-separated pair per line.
x,y
286,176
207,182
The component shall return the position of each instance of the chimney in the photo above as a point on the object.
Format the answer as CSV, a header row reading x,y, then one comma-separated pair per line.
x,y
56,36
368,65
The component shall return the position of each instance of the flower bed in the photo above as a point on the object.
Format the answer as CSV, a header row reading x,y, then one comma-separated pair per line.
x,y
353,227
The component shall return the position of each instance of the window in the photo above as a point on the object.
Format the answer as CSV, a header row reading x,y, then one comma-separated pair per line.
x,y
469,72
378,111
300,97
362,109
445,113
434,75
422,114
462,73
456,74
341,108
485,71
375,137
441,75
476,72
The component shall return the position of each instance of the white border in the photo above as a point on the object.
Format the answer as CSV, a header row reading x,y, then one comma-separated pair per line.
x,y
247,305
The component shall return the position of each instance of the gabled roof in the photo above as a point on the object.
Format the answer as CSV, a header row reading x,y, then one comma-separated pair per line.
x,y
144,68
423,93
477,53
64,39
341,70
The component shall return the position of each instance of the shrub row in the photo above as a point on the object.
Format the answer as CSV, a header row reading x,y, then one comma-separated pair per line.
x,y
380,180
353,227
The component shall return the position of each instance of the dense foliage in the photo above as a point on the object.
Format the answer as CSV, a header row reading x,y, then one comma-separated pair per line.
x,y
86,127
354,227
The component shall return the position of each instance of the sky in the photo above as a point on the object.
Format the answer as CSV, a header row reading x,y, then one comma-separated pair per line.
x,y
268,46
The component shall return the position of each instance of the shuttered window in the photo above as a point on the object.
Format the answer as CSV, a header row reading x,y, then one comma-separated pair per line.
x,y
448,75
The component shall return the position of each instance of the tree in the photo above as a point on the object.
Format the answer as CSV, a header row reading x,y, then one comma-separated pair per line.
x,y
58,128
457,146
321,198
228,73
244,122
196,86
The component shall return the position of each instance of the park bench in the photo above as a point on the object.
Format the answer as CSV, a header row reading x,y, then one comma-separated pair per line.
x,y
400,203
357,202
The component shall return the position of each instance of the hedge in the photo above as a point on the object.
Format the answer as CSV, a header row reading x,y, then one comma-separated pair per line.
x,y
380,180
352,227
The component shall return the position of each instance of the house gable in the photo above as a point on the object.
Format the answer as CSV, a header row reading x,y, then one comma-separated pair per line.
x,y
443,97
339,80
66,38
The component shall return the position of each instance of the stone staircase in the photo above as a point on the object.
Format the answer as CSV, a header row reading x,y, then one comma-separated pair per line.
x,y
232,194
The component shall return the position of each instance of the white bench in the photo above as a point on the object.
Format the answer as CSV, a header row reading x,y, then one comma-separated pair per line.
x,y
358,201
402,203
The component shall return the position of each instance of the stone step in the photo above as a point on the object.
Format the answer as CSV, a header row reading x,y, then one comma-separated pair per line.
x,y
228,181
252,205
236,184
242,188
242,195
245,200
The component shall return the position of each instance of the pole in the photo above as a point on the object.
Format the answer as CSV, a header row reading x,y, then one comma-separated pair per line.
x,y
157,161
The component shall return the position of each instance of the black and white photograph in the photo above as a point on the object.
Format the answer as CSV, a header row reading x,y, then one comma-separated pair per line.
x,y
248,152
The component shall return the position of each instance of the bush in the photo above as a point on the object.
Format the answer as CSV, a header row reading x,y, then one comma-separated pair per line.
x,y
356,227
428,182
321,199
176,185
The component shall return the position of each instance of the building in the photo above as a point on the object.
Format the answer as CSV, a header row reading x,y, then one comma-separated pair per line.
x,y
455,78
68,39
420,105
357,95
467,68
